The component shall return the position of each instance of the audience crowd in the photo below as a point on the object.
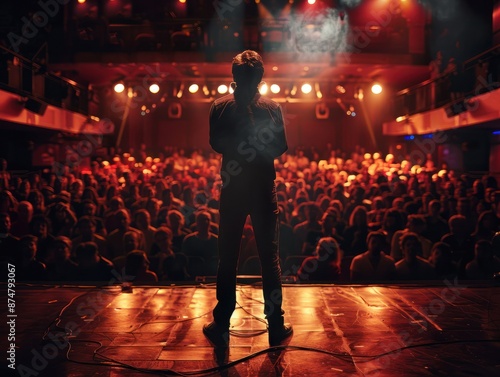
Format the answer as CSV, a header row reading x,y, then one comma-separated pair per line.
x,y
343,218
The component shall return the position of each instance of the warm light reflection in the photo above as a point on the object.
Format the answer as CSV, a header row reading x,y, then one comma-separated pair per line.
x,y
306,88
376,88
340,89
154,88
119,88
275,88
193,88
222,89
263,89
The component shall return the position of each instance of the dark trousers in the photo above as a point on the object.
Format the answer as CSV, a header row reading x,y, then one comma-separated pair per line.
x,y
238,200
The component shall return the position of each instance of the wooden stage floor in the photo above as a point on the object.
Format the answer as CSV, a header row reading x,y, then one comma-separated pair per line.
x,y
339,330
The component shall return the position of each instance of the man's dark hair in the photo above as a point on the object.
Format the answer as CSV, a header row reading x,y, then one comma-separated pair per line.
x,y
248,68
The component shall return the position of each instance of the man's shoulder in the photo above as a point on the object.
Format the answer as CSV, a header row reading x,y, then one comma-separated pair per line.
x,y
360,257
223,100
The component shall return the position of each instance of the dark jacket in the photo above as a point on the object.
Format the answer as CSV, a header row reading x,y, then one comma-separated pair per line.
x,y
249,137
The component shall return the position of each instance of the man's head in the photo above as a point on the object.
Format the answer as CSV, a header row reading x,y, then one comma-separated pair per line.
x,y
203,219
328,249
28,246
5,223
86,225
248,69
123,219
376,242
411,246
87,254
130,241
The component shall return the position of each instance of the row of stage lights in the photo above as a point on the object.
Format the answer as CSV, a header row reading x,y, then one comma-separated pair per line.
x,y
264,88
310,2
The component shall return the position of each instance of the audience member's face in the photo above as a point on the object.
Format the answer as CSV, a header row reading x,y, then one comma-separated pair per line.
x,y
37,200
375,245
123,220
61,251
390,222
203,222
5,224
131,242
87,229
411,249
25,187
482,253
89,209
174,221
434,209
359,218
142,220
28,249
25,210
161,239
488,223
60,214
40,229
329,221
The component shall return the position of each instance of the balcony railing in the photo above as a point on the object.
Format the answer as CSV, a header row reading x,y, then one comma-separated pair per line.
x,y
475,76
31,80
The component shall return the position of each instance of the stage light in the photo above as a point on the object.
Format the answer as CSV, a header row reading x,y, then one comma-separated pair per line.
x,y
340,89
81,1
306,88
311,2
359,94
193,88
263,88
154,88
119,87
376,88
205,90
318,91
222,89
275,88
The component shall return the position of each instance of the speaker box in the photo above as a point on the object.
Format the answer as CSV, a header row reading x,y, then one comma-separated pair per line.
x,y
35,106
175,110
322,111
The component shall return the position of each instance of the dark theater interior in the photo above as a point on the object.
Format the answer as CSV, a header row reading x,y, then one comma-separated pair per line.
x,y
250,188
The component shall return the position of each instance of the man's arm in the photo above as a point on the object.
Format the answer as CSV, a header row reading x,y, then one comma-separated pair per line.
x,y
281,142
216,139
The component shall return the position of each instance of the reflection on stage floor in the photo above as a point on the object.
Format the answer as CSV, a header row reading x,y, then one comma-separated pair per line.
x,y
437,330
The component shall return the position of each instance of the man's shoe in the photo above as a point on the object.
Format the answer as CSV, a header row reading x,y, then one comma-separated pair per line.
x,y
278,335
216,334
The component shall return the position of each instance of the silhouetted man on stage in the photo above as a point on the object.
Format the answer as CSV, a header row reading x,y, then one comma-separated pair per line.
x,y
248,131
